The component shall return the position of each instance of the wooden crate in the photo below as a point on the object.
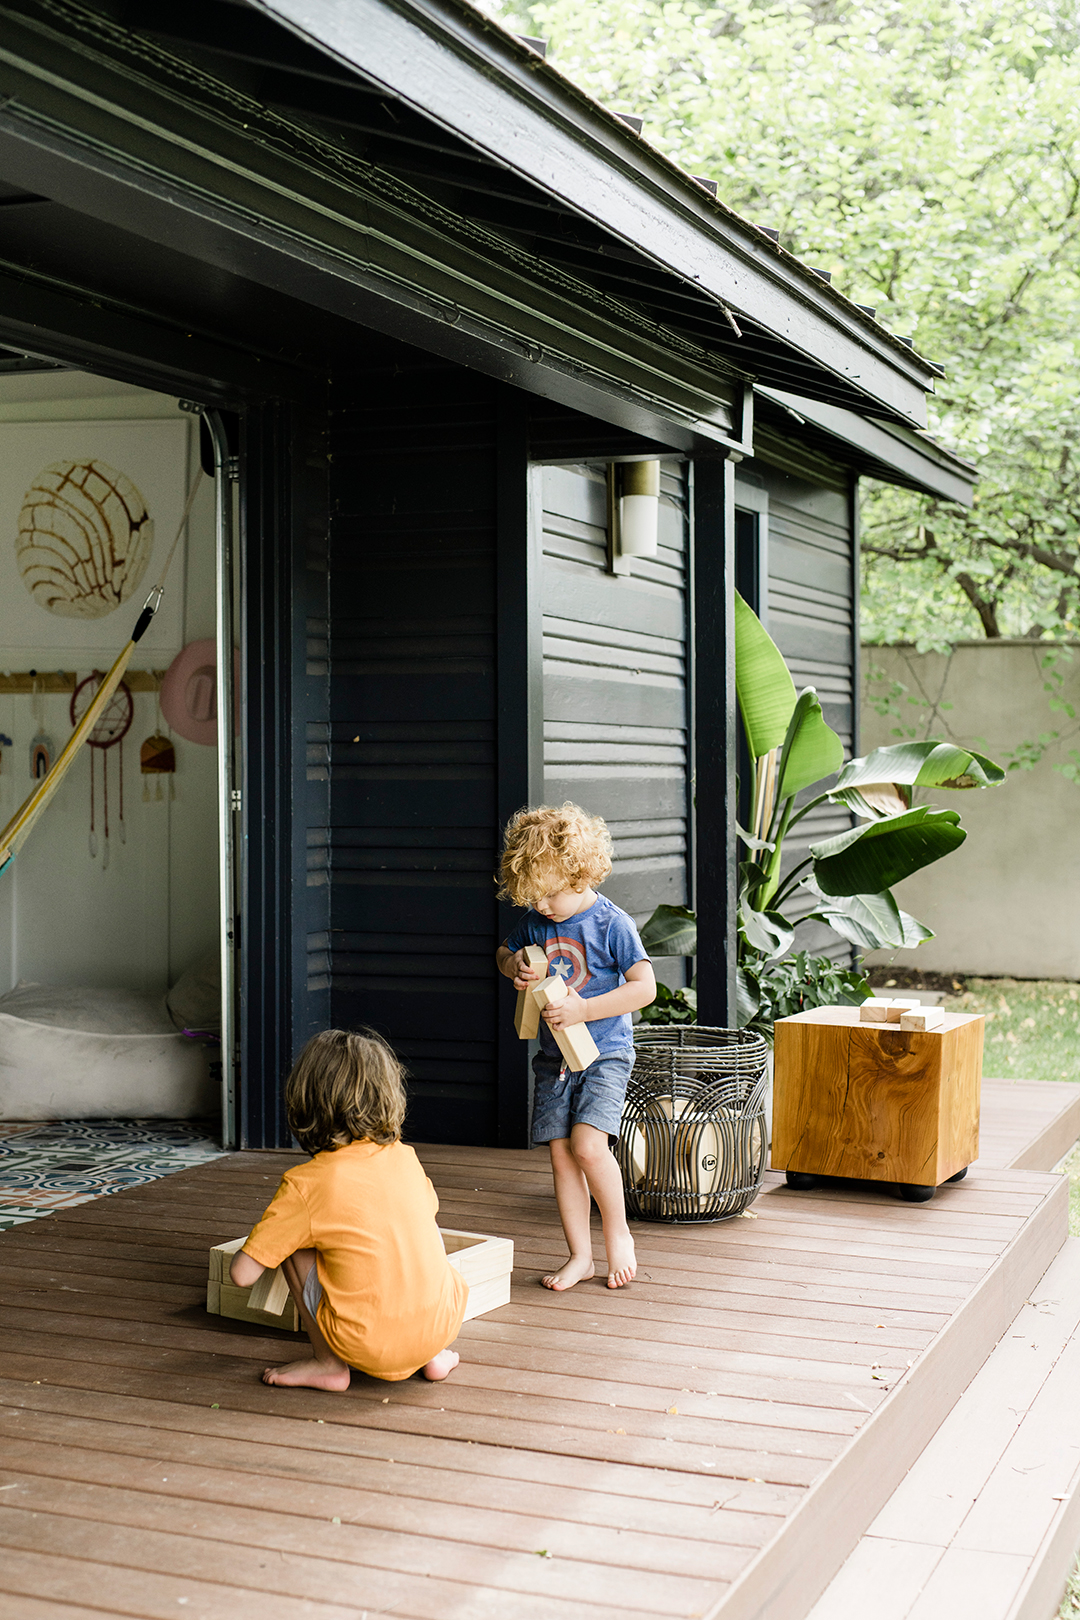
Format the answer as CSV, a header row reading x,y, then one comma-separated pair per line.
x,y
873,1101
484,1262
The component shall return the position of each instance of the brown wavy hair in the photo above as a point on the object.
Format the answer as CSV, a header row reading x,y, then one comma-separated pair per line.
x,y
346,1086
550,849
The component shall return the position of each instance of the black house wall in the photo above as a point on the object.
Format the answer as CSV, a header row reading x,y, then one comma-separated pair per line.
x,y
410,736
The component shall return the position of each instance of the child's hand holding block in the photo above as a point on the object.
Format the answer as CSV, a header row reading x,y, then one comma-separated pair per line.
x,y
527,1012
267,1301
574,1042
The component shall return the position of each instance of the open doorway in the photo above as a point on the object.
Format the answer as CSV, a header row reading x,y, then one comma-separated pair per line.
x,y
110,916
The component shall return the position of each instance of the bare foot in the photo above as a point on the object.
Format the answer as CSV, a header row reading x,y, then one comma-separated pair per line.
x,y
622,1261
310,1374
441,1365
577,1269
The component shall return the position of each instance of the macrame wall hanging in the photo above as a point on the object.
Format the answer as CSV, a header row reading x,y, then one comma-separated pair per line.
x,y
157,757
42,747
112,727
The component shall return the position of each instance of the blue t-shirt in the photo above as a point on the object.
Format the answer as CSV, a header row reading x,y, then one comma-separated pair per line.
x,y
591,954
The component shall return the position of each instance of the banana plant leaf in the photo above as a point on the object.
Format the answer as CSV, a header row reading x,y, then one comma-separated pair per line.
x,y
873,857
747,997
765,690
875,800
766,931
670,931
811,748
873,922
922,764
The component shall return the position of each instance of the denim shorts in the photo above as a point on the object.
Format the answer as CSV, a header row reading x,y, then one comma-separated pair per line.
x,y
594,1097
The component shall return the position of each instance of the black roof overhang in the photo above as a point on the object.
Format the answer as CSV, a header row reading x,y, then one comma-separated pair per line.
x,y
448,60
882,450
548,294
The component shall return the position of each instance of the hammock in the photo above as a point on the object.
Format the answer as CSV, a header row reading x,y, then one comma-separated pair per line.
x,y
18,828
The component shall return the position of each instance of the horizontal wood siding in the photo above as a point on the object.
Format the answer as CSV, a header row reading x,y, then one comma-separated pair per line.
x,y
410,741
811,606
615,701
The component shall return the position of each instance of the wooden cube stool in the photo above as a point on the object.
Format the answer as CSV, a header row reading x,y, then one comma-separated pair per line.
x,y
876,1101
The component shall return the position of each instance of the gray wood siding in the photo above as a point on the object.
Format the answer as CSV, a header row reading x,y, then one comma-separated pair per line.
x,y
615,686
811,609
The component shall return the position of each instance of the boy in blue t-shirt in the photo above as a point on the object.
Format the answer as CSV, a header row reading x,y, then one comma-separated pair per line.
x,y
551,859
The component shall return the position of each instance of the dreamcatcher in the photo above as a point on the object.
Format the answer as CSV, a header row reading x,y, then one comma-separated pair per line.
x,y
110,729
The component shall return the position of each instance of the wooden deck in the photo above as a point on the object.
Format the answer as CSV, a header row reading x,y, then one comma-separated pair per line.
x,y
710,1442
1028,1124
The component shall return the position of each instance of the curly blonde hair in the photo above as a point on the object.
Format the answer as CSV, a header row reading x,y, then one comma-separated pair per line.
x,y
550,849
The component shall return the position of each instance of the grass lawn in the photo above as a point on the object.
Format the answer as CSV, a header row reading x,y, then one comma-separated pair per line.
x,y
1032,1033
1032,1026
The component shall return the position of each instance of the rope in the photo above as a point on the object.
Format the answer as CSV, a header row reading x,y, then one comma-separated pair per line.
x,y
192,492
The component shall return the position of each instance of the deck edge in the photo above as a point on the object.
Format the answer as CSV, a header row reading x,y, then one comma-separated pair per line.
x,y
790,1573
1053,1141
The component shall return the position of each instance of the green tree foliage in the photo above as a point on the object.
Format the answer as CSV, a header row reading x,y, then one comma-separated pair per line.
x,y
927,154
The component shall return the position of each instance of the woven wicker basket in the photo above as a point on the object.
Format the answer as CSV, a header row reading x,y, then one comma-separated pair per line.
x,y
693,1143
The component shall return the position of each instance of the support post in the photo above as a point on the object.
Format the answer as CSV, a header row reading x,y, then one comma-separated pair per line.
x,y
520,708
712,537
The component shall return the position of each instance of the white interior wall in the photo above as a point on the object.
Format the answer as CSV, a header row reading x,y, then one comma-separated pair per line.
x,y
1005,902
64,918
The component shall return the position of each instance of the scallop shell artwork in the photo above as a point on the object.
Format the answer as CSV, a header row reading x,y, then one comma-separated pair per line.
x,y
84,540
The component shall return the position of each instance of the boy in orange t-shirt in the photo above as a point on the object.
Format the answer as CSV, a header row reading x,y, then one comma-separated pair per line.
x,y
354,1230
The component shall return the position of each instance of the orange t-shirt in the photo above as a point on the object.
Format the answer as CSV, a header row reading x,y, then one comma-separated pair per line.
x,y
391,1299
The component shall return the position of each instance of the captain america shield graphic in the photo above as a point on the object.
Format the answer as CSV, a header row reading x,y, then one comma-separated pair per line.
x,y
566,960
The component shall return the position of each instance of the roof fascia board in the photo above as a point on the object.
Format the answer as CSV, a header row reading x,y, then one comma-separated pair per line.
x,y
453,65
930,466
203,185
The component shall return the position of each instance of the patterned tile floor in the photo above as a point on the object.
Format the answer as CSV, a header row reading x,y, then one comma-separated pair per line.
x,y
61,1163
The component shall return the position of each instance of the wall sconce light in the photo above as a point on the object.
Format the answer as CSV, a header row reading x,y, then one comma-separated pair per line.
x,y
639,509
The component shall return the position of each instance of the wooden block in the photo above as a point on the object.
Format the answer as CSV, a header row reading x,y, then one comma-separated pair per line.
x,y
234,1304
922,1017
575,1043
486,1264
527,1013
269,1292
224,1298
876,1102
221,1259
899,1006
487,1296
874,1010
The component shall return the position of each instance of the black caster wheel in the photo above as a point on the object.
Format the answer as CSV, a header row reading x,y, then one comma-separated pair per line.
x,y
914,1194
959,1176
800,1180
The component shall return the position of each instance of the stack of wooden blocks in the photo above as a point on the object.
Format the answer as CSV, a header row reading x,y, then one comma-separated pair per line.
x,y
484,1262
907,1011
267,1302
575,1043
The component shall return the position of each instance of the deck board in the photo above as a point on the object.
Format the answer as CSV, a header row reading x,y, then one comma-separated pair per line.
x,y
664,1444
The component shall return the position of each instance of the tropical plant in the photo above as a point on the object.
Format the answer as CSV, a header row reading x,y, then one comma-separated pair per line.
x,y
847,878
